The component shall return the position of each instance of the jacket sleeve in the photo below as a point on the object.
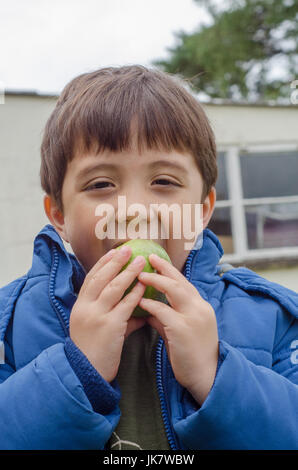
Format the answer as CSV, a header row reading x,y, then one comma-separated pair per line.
x,y
249,406
103,396
47,402
43,406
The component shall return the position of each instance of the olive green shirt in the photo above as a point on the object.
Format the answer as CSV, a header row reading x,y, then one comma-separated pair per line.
x,y
141,426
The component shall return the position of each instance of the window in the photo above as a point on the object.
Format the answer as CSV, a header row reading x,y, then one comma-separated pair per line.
x,y
272,225
222,182
221,219
256,214
269,174
221,225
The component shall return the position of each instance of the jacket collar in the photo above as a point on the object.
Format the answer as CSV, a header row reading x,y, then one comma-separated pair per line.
x,y
50,253
202,262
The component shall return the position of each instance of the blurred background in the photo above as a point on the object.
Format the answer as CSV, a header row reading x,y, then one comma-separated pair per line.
x,y
240,58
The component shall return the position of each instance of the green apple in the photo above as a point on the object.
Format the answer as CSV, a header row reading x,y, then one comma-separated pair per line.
x,y
145,248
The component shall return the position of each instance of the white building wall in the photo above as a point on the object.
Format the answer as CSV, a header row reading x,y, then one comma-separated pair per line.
x,y
22,119
254,125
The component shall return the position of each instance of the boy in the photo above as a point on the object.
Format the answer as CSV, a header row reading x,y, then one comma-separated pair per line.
x,y
221,350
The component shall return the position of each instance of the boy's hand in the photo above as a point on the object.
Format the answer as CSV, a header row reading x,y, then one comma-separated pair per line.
x,y
188,327
100,320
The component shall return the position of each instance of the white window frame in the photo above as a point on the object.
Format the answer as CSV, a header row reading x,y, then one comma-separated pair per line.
x,y
237,204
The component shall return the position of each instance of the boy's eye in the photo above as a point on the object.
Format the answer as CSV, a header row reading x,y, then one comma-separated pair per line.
x,y
165,182
104,184
98,185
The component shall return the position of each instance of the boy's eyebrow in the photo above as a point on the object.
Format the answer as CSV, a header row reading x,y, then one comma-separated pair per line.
x,y
169,163
99,166
110,166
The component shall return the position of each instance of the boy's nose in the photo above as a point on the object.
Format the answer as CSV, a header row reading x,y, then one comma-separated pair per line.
x,y
147,223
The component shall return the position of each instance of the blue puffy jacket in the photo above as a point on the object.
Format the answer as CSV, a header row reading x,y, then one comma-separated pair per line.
x,y
253,403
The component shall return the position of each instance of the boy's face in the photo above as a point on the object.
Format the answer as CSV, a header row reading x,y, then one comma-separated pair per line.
x,y
147,178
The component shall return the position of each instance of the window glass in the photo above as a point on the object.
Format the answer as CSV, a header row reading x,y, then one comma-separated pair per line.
x,y
269,174
272,225
221,185
220,224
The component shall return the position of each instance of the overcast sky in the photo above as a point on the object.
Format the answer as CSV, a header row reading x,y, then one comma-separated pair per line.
x,y
45,43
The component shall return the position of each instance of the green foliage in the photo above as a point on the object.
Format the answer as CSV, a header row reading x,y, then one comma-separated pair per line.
x,y
233,56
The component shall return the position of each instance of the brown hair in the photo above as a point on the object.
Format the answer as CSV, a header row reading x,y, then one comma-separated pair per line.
x,y
100,107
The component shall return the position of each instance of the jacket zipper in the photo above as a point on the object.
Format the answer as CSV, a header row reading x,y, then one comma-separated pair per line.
x,y
56,306
161,359
160,373
161,364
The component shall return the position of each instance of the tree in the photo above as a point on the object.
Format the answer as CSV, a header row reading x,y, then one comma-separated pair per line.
x,y
249,51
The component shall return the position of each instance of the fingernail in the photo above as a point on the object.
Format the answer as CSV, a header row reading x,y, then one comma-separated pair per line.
x,y
140,285
138,260
124,250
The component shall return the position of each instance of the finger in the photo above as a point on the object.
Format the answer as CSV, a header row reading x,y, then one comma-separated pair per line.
x,y
134,324
115,289
98,279
155,323
101,262
171,288
98,265
165,267
163,312
126,306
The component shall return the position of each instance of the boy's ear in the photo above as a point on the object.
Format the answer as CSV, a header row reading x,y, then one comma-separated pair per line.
x,y
55,216
208,206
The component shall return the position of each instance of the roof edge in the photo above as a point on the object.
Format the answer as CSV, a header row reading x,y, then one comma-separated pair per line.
x,y
212,102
